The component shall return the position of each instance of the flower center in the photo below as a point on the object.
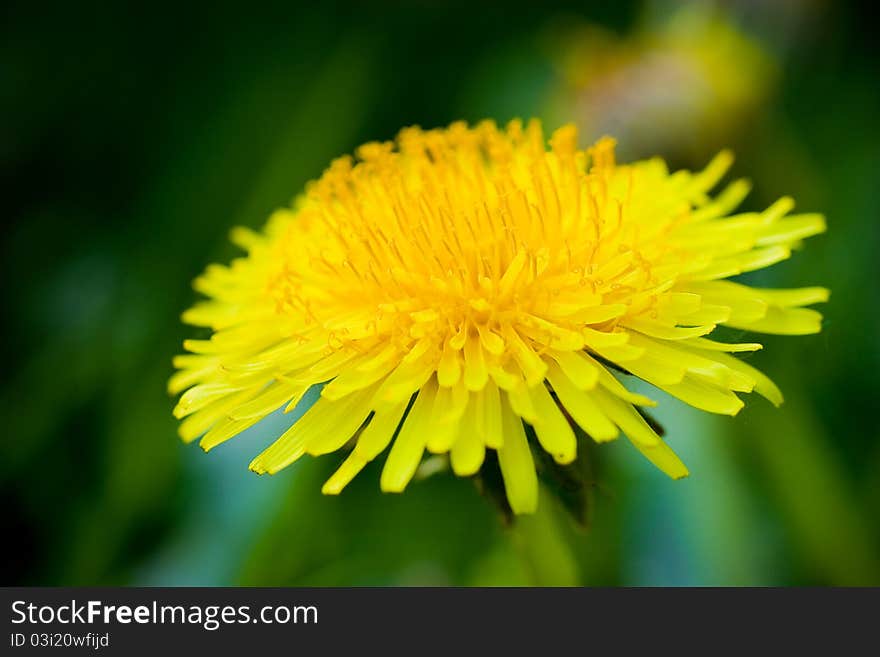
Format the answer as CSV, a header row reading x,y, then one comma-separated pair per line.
x,y
469,236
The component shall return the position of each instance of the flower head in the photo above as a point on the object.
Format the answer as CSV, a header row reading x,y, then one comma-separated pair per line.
x,y
467,289
672,86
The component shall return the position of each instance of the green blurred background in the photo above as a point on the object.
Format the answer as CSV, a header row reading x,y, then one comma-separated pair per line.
x,y
134,139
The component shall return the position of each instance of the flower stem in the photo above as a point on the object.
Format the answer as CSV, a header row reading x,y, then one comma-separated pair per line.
x,y
543,547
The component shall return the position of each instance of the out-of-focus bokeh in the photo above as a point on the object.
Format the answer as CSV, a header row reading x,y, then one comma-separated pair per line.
x,y
132,140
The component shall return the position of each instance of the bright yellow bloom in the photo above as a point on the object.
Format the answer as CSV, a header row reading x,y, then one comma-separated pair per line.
x,y
461,285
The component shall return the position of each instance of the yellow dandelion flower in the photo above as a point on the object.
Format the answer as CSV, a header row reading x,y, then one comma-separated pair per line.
x,y
671,86
463,289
